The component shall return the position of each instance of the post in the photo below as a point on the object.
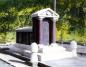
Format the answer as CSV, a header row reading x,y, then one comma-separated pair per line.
x,y
73,47
54,31
40,29
34,57
55,5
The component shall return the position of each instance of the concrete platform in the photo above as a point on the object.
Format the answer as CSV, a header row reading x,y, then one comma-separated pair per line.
x,y
45,52
68,62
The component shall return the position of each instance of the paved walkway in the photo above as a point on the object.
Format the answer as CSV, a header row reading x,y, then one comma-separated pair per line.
x,y
13,61
70,62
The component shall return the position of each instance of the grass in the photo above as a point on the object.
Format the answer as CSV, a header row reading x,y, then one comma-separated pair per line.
x,y
67,37
7,37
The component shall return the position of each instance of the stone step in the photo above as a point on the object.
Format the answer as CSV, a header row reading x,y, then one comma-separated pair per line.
x,y
55,56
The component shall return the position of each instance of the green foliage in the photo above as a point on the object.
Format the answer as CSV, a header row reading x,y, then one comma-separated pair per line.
x,y
7,37
11,37
17,13
72,23
2,38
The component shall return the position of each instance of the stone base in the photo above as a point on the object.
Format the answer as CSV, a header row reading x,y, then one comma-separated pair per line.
x,y
45,53
54,53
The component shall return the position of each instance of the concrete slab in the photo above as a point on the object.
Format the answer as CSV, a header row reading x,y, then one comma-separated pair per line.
x,y
13,61
69,62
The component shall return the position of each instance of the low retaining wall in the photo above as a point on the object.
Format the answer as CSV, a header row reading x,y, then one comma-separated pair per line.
x,y
80,49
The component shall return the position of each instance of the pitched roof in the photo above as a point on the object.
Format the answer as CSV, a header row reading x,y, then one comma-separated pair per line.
x,y
46,13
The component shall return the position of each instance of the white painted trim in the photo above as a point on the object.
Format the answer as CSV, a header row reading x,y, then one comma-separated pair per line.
x,y
40,13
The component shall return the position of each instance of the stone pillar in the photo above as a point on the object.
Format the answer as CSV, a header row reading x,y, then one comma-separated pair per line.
x,y
73,47
40,29
54,31
34,55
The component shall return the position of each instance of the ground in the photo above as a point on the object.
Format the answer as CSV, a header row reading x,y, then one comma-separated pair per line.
x,y
69,62
79,61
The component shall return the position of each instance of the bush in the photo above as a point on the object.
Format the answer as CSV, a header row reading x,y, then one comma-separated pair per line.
x,y
7,37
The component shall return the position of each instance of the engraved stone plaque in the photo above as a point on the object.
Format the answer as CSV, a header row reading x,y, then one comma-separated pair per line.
x,y
45,32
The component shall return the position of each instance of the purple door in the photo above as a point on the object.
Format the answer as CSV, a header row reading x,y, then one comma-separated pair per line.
x,y
45,32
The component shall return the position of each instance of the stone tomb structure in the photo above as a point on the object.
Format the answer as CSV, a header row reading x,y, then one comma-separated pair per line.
x,y
43,30
43,33
24,35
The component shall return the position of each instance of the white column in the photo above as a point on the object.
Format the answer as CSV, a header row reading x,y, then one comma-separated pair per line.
x,y
54,30
34,55
73,47
40,30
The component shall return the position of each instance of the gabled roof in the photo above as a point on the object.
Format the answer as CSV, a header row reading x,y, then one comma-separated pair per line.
x,y
46,13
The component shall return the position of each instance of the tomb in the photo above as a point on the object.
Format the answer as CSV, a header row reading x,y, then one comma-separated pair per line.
x,y
43,30
24,35
43,33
